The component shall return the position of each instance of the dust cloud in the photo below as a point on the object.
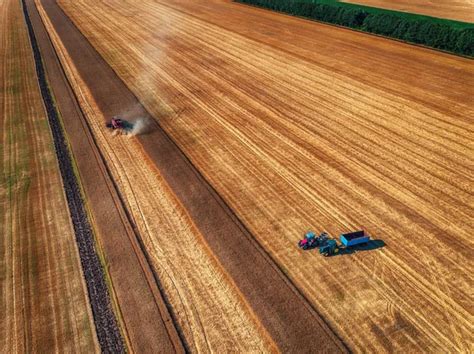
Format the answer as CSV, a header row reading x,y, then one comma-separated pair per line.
x,y
140,126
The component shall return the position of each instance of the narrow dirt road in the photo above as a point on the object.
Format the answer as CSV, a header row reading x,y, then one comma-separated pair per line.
x,y
300,125
43,299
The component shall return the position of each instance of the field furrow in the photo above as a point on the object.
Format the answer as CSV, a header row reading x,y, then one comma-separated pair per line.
x,y
300,125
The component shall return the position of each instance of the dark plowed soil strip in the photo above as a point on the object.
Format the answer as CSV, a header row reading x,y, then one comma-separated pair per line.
x,y
291,321
144,314
105,322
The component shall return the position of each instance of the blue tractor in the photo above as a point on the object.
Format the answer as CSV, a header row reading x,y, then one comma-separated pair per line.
x,y
348,241
329,249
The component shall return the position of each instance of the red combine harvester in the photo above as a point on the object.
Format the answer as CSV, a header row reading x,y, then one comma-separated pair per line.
x,y
119,124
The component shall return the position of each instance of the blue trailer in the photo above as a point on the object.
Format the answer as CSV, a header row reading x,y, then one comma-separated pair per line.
x,y
348,241
354,238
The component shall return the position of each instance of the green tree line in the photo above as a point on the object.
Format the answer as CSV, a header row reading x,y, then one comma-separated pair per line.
x,y
452,36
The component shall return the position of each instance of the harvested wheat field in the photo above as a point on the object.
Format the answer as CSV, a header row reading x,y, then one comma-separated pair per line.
x,y
207,307
298,126
208,310
241,130
43,300
460,10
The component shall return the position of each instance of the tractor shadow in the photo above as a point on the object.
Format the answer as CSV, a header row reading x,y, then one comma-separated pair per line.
x,y
369,246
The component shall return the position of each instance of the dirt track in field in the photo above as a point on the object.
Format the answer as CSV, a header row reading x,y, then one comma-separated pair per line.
x,y
300,125
43,299
225,316
461,10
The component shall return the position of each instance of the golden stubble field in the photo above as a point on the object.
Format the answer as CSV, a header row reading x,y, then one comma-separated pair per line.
x,y
208,308
460,10
43,299
300,125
